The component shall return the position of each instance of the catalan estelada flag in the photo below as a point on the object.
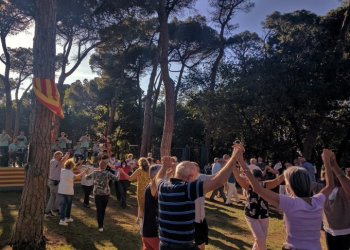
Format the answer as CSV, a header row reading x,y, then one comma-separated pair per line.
x,y
47,93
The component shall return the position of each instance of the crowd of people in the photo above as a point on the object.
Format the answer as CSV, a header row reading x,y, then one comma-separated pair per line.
x,y
12,149
171,195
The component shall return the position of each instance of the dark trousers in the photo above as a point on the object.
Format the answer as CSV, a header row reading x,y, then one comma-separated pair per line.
x,y
341,242
123,186
66,206
117,192
87,191
222,193
101,202
4,157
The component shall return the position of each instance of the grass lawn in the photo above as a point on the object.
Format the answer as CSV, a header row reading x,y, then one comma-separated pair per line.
x,y
228,229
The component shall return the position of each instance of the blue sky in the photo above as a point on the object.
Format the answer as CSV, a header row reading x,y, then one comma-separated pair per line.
x,y
247,21
252,20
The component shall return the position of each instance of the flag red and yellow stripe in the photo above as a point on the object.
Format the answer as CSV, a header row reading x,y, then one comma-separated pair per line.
x,y
47,93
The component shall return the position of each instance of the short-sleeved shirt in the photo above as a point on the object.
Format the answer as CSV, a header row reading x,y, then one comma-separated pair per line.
x,y
55,170
62,141
126,169
84,142
13,147
4,140
177,210
78,150
150,215
66,185
22,141
101,181
303,221
216,168
310,169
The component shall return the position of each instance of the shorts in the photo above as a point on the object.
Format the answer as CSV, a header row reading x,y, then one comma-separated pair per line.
x,y
201,232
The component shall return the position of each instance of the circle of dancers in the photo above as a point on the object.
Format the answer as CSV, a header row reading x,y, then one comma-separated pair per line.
x,y
171,195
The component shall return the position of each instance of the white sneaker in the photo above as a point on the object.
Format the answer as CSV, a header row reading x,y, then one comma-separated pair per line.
x,y
100,229
63,223
69,220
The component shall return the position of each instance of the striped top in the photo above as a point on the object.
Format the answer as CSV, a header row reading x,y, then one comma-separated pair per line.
x,y
177,210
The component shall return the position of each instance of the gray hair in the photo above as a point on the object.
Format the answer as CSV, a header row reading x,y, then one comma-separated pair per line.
x,y
184,169
153,170
298,179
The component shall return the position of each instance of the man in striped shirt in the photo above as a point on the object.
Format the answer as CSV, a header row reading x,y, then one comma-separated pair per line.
x,y
176,200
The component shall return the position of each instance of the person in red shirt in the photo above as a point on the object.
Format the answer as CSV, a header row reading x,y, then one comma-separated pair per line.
x,y
123,183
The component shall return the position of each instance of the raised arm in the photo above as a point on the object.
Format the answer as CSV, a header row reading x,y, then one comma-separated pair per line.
x,y
134,175
326,158
167,162
221,177
268,195
81,173
240,180
271,184
344,181
64,159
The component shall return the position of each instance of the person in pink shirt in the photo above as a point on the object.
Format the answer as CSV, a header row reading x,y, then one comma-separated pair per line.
x,y
302,212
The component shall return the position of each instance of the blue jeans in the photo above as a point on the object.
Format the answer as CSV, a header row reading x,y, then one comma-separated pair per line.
x,y
66,206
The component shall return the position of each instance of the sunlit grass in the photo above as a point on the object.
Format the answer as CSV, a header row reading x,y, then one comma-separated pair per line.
x,y
228,229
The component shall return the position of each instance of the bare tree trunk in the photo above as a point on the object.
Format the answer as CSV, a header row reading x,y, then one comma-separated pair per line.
x,y
309,144
146,130
111,117
28,231
17,117
342,146
168,127
8,103
179,84
153,110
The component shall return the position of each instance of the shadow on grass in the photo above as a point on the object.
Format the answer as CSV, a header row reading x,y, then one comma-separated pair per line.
x,y
119,228
8,220
218,239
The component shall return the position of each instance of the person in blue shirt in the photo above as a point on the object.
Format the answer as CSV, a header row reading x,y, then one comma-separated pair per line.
x,y
216,168
308,166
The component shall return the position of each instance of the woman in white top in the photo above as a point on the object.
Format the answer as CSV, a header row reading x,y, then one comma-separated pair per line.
x,y
66,191
87,185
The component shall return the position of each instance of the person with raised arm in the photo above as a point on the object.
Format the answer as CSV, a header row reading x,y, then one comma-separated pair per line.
x,y
256,209
336,219
302,211
56,164
66,190
101,190
177,200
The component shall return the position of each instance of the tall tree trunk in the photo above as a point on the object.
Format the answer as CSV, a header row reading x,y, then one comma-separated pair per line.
x,y
8,103
28,231
309,144
342,146
168,128
139,100
147,115
17,117
179,84
153,111
111,117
